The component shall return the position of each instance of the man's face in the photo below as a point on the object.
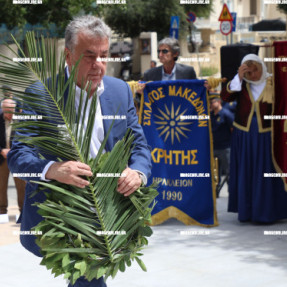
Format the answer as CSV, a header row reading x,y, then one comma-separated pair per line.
x,y
8,107
8,114
89,69
215,104
165,55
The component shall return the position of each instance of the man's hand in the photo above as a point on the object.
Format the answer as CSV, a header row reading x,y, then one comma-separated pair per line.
x,y
140,87
129,183
207,86
69,172
4,152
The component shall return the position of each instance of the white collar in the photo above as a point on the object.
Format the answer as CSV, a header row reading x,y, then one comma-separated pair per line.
x,y
172,72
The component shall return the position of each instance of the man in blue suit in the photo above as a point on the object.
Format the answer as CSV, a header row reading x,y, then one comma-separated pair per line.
x,y
85,36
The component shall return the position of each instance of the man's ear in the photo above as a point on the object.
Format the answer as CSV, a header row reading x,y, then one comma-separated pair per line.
x,y
175,56
68,56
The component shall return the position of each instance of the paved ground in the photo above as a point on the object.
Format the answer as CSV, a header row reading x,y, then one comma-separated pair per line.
x,y
232,254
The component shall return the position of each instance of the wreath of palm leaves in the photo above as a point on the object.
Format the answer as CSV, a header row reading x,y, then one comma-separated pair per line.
x,y
89,232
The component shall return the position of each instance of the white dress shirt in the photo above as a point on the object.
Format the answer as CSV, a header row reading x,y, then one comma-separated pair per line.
x,y
98,131
98,134
169,77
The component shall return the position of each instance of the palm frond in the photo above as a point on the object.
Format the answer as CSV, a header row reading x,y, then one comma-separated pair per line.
x,y
89,232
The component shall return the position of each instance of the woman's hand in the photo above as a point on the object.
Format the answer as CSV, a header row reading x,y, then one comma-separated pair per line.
x,y
242,70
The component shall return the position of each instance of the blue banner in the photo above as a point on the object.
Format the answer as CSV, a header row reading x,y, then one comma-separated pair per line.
x,y
177,127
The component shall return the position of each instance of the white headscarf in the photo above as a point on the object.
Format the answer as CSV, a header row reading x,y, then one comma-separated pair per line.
x,y
265,74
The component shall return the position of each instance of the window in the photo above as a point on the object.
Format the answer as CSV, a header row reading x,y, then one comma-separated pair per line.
x,y
253,7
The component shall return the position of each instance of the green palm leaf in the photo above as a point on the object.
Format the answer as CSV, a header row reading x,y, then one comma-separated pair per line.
x,y
89,232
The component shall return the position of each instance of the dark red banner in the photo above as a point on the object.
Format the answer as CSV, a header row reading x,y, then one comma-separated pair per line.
x,y
279,126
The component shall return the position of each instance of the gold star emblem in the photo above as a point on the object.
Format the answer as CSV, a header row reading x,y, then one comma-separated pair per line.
x,y
170,124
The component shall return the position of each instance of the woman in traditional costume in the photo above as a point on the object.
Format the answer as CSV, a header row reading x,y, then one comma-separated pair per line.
x,y
255,197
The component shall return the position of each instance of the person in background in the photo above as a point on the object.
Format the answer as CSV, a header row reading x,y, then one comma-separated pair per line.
x,y
153,64
221,123
254,197
8,94
8,108
231,106
168,53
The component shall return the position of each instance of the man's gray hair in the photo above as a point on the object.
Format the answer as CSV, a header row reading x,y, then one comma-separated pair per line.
x,y
172,43
88,24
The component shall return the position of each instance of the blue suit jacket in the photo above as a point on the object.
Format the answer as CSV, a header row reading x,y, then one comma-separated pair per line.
x,y
24,159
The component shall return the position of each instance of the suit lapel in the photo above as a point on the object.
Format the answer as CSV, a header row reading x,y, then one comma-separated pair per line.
x,y
159,74
106,108
67,90
178,74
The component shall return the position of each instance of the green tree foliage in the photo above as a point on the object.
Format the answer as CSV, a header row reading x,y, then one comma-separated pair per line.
x,y
282,8
128,20
150,15
12,15
50,11
58,12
